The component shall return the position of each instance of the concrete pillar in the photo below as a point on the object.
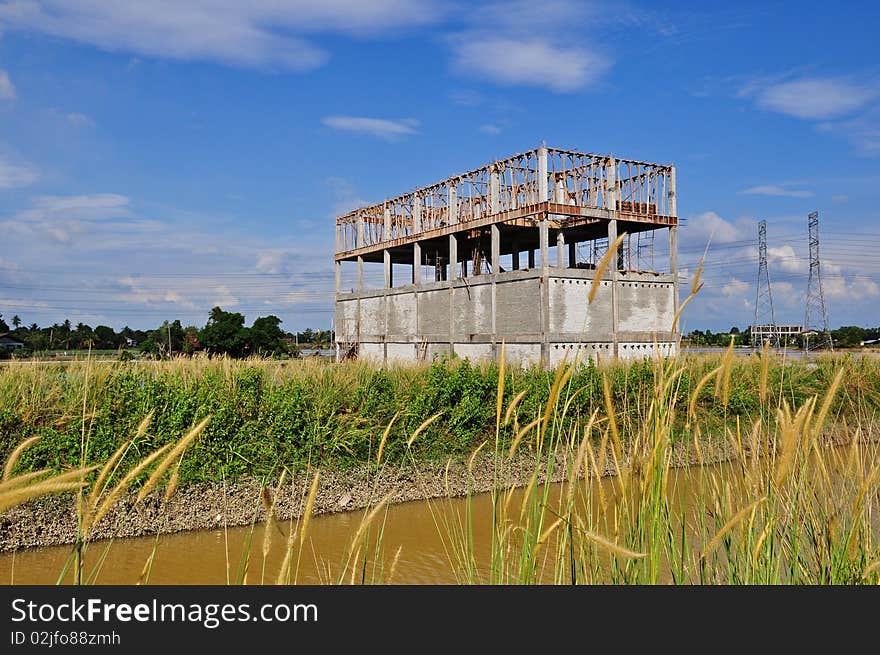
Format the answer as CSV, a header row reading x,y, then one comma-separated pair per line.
x,y
531,259
496,248
417,264
386,223
386,259
338,238
494,191
338,276
543,240
615,319
453,257
417,214
559,192
542,173
673,263
572,254
361,240
452,208
670,193
360,273
560,250
611,184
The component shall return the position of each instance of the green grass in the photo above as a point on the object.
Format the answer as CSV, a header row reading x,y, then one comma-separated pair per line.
x,y
268,414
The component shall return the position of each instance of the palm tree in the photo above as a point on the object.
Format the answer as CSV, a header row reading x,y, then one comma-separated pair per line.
x,y
16,321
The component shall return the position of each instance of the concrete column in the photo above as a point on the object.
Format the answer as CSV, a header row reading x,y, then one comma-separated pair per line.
x,y
543,240
559,192
386,257
560,250
611,184
417,214
361,240
670,193
453,257
360,273
338,276
572,254
612,237
452,209
531,259
386,223
673,263
494,191
542,173
496,249
417,264
338,238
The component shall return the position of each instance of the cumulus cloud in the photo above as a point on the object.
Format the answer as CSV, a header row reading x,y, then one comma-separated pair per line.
x,y
383,128
7,89
710,227
785,259
735,287
254,34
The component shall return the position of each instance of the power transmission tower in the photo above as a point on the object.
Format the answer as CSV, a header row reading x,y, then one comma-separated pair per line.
x,y
815,317
764,329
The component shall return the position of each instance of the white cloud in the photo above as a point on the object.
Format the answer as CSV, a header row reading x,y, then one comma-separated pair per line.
x,y
784,258
383,128
257,33
862,132
735,288
776,190
7,89
709,227
815,98
16,175
61,218
80,120
93,207
490,129
535,62
840,197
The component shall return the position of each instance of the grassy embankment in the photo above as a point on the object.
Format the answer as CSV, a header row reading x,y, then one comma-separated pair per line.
x,y
800,512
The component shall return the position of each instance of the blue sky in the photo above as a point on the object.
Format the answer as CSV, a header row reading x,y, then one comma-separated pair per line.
x,y
159,158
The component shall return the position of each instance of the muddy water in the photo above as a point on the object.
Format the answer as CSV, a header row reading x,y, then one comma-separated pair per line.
x,y
415,537
419,530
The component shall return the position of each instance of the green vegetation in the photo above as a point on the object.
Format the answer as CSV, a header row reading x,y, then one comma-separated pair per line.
x,y
223,334
296,413
793,509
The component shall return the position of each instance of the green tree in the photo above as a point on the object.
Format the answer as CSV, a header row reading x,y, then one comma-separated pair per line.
x,y
106,337
266,337
224,333
16,321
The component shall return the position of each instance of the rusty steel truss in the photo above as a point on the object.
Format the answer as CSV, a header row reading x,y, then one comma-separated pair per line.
x,y
569,188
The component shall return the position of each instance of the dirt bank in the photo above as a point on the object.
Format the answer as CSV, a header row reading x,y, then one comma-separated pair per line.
x,y
52,520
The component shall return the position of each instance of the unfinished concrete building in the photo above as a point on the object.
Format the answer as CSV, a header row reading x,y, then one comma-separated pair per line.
x,y
509,252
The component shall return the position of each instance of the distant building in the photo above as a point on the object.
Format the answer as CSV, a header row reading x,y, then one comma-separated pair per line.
x,y
9,344
130,343
770,331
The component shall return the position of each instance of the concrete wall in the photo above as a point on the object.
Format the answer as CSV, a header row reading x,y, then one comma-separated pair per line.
x,y
470,317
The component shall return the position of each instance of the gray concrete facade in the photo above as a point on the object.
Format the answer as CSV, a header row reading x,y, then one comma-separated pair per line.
x,y
461,300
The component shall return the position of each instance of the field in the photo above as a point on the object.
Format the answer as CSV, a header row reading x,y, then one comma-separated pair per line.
x,y
798,510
